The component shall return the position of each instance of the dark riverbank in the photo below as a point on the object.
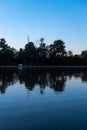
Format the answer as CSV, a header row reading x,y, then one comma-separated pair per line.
x,y
43,67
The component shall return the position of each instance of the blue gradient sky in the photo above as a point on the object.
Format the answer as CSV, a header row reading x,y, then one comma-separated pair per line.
x,y
51,19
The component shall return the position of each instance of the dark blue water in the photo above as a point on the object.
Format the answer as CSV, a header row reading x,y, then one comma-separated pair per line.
x,y
43,99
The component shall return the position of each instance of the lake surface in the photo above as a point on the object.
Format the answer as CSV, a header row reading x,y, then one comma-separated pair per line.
x,y
43,99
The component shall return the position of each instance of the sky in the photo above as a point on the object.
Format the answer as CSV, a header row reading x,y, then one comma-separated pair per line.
x,y
51,19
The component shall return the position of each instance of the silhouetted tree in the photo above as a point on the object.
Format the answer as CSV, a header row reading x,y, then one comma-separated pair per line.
x,y
21,56
70,53
2,43
30,52
6,53
42,52
42,48
58,48
84,53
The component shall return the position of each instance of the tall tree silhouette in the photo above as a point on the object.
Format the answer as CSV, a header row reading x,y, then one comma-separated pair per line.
x,y
30,52
6,52
2,43
42,48
58,48
84,53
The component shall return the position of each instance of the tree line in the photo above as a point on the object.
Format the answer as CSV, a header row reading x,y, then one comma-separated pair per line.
x,y
44,54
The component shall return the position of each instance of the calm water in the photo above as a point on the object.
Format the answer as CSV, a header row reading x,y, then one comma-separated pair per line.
x,y
43,99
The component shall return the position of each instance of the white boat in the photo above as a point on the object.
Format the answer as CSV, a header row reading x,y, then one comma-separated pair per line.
x,y
20,66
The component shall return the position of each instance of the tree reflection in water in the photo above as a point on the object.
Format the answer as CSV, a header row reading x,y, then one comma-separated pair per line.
x,y
53,78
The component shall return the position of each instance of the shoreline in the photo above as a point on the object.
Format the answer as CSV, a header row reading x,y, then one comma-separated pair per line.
x,y
43,67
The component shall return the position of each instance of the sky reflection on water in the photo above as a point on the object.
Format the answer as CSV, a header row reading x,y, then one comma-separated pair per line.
x,y
43,99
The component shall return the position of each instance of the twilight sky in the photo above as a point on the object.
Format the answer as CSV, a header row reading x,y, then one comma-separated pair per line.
x,y
51,19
